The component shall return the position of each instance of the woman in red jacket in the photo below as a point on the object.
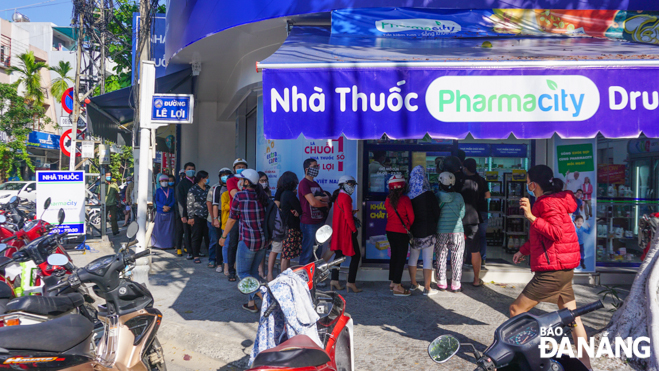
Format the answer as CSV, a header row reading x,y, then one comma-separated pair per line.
x,y
344,238
553,247
400,217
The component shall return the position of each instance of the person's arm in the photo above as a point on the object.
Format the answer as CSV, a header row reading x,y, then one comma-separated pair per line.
x,y
182,200
190,206
549,223
409,211
346,209
488,195
227,229
315,202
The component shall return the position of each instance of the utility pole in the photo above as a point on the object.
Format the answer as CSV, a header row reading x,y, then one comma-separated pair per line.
x,y
76,95
102,22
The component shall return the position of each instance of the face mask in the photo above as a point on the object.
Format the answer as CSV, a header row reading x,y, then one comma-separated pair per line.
x,y
206,180
108,178
350,189
529,189
224,178
240,185
171,183
239,171
128,182
164,184
190,173
264,184
313,171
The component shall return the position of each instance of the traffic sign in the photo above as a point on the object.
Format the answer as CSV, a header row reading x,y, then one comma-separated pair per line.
x,y
65,143
67,100
172,108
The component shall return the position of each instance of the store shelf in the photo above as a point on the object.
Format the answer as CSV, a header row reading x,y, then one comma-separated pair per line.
x,y
515,216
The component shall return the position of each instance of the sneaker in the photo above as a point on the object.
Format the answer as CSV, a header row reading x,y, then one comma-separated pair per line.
x,y
442,287
219,269
416,287
189,257
430,292
456,290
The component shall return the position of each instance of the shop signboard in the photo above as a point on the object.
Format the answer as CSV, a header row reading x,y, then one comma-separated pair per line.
x,y
611,174
509,150
574,163
66,190
43,140
87,149
375,222
475,149
636,146
489,103
158,29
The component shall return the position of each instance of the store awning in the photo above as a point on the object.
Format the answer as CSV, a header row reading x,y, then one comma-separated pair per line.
x,y
109,114
448,88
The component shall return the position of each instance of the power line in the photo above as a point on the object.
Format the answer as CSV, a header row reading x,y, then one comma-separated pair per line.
x,y
36,5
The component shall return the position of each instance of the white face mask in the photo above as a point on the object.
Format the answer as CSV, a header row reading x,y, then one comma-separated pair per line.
x,y
240,185
349,189
164,184
264,184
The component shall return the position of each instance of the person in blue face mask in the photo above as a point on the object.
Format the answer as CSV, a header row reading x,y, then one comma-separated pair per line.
x,y
198,214
183,229
164,224
214,254
111,199
232,187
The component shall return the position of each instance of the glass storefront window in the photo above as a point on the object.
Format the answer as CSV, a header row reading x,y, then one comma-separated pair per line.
x,y
385,164
627,189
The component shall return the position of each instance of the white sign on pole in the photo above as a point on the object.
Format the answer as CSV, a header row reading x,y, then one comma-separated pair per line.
x,y
65,121
66,190
87,149
103,154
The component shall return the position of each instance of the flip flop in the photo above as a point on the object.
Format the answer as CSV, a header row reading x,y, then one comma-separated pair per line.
x,y
197,261
232,278
480,283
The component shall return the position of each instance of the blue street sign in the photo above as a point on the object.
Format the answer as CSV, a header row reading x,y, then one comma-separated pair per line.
x,y
172,108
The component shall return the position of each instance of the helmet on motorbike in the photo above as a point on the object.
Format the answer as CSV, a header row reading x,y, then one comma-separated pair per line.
x,y
452,164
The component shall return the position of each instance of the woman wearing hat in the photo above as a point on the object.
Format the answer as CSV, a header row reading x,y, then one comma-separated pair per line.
x,y
450,232
164,225
344,241
400,217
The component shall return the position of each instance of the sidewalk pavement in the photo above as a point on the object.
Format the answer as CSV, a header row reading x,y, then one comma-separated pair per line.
x,y
204,327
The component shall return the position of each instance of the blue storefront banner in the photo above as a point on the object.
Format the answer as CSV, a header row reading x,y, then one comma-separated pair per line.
x,y
158,30
43,140
414,23
66,190
489,103
509,150
475,149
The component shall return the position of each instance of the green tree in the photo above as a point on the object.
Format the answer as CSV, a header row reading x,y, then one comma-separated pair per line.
x,y
29,72
61,82
121,163
16,120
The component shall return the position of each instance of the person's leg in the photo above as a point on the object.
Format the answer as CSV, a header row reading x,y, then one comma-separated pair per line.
x,y
272,258
126,216
187,239
338,254
482,235
225,252
308,239
244,259
354,262
233,248
205,234
581,252
457,242
579,331
113,219
219,257
401,258
427,266
521,305
392,247
197,231
442,255
262,265
411,265
473,247
254,270
212,245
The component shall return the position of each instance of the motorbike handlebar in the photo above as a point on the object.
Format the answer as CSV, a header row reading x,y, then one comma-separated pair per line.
x,y
587,309
60,285
140,254
131,243
271,309
336,262
6,263
8,239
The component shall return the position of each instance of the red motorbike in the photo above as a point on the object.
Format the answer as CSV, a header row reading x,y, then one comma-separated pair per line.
x,y
335,326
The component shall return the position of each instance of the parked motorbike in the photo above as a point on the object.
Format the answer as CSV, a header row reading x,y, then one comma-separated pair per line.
x,y
335,326
516,345
131,323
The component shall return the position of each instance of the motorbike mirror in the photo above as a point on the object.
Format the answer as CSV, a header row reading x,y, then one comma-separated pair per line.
x,y
132,230
443,348
13,200
248,285
46,204
3,246
58,260
3,219
60,217
323,234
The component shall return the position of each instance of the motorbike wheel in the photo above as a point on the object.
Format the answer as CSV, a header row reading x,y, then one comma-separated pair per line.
x,y
154,357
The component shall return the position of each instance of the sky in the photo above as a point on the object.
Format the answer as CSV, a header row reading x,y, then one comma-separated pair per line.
x,y
55,11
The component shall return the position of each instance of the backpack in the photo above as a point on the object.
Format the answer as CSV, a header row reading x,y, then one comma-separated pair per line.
x,y
275,230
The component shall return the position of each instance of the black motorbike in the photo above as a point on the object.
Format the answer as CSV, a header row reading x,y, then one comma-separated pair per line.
x,y
516,345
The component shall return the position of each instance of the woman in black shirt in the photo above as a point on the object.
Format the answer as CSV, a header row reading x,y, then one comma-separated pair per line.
x,y
197,214
290,212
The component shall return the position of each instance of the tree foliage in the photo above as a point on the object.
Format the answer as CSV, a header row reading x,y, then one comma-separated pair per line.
x,y
121,163
17,118
29,71
61,82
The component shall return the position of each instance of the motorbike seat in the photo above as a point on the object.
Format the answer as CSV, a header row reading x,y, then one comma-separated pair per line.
x,y
46,305
298,351
57,335
5,291
3,306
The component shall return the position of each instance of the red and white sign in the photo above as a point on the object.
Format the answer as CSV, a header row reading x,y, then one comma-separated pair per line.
x,y
65,143
67,100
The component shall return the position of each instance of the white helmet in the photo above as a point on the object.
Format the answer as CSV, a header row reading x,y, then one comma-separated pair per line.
x,y
240,161
447,179
251,175
346,179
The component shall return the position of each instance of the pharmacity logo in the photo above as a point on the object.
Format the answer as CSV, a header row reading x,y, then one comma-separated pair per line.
x,y
512,98
418,24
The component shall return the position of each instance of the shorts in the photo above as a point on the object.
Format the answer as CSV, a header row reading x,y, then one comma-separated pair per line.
x,y
472,238
277,247
550,285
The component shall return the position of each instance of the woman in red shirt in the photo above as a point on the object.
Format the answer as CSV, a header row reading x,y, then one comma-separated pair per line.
x,y
400,217
344,239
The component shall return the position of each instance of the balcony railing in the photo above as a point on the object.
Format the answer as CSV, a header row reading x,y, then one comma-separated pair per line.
x,y
5,51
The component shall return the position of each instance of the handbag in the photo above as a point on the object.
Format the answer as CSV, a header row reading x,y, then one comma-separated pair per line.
x,y
409,234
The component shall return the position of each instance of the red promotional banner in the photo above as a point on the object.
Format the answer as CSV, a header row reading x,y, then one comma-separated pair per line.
x,y
611,174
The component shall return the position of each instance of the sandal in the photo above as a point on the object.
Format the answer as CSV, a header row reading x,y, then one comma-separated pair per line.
x,y
212,265
405,292
232,278
253,308
197,261
480,283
